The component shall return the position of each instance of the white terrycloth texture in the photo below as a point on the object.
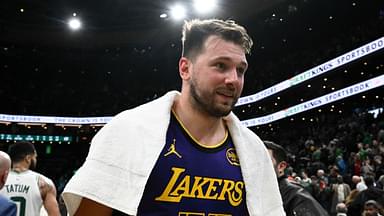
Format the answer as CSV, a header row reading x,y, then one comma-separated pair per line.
x,y
124,151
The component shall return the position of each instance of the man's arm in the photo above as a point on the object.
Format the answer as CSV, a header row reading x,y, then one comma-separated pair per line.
x,y
90,207
48,194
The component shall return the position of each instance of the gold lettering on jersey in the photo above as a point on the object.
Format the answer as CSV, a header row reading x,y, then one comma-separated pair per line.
x,y
232,189
215,214
191,214
198,187
13,188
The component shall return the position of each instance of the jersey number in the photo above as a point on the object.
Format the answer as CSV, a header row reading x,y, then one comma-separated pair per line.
x,y
22,202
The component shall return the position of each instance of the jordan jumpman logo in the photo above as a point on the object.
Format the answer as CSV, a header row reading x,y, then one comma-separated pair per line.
x,y
172,150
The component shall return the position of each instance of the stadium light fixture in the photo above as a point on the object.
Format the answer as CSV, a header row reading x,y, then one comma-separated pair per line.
x,y
74,24
204,6
178,12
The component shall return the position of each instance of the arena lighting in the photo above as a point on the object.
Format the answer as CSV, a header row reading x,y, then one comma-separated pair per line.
x,y
178,12
330,65
74,24
204,6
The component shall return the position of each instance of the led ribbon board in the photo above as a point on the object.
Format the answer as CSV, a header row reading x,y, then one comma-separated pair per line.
x,y
355,54
37,138
320,101
54,119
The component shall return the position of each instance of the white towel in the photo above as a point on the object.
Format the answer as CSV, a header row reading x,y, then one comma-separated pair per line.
x,y
125,150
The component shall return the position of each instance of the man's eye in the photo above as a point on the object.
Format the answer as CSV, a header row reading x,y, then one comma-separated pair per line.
x,y
240,70
220,66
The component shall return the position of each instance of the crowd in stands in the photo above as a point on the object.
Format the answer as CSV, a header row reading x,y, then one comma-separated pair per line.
x,y
342,161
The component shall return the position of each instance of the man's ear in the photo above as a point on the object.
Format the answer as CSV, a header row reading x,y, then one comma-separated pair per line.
x,y
281,167
28,158
184,66
3,178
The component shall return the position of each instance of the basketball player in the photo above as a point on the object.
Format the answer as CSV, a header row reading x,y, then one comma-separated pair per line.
x,y
184,153
28,189
7,207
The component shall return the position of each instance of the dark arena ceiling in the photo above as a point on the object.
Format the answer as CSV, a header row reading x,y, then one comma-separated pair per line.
x,y
125,54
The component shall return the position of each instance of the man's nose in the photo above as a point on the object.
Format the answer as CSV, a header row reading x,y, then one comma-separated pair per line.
x,y
232,75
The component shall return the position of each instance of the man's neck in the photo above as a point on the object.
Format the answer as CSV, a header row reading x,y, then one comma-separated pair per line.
x,y
19,167
206,129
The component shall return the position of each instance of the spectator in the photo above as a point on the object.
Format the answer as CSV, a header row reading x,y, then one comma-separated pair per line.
x,y
341,209
372,208
371,193
7,207
296,200
340,191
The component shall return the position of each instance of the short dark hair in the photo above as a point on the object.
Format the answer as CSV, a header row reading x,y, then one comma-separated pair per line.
x,y
369,180
372,203
278,152
196,32
19,150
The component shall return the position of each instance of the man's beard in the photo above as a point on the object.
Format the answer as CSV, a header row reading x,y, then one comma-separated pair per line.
x,y
205,102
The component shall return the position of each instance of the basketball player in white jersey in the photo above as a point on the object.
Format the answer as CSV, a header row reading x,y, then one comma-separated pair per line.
x,y
28,189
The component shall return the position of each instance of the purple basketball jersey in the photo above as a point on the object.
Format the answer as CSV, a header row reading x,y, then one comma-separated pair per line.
x,y
191,180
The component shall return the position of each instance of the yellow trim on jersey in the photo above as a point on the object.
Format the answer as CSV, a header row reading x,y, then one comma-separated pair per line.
x,y
195,140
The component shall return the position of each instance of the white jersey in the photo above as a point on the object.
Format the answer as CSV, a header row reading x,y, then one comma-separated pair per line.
x,y
23,189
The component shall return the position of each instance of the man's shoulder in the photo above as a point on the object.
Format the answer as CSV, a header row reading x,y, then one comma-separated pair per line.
x,y
5,201
42,179
237,127
7,207
301,201
290,185
295,190
3,198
